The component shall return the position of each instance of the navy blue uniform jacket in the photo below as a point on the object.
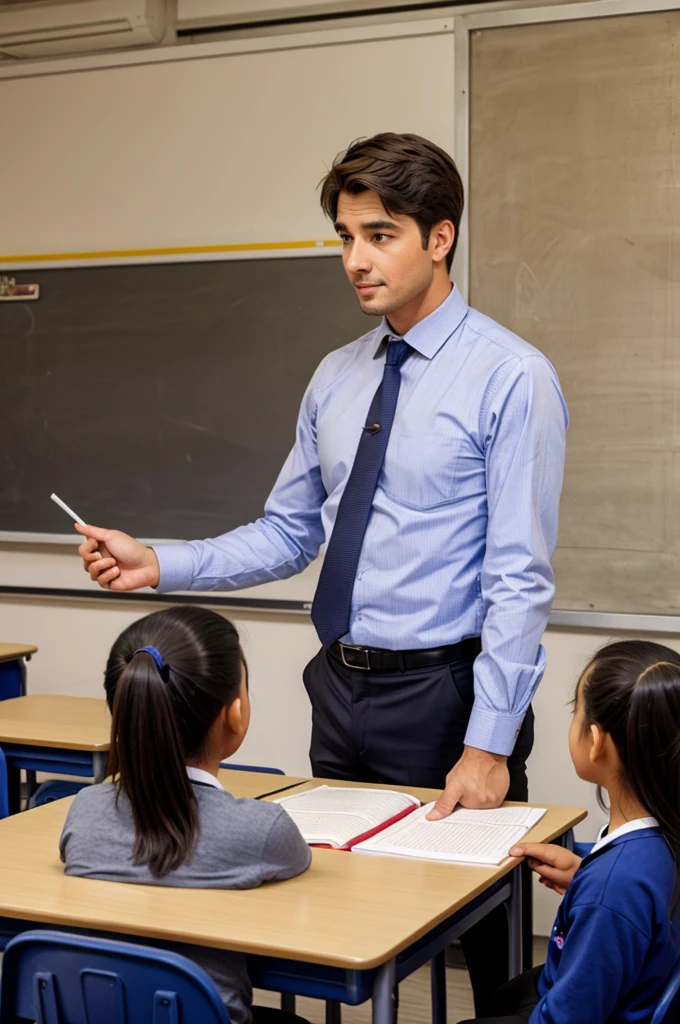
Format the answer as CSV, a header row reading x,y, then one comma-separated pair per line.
x,y
612,947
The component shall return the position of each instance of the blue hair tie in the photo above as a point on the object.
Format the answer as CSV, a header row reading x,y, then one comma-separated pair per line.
x,y
163,667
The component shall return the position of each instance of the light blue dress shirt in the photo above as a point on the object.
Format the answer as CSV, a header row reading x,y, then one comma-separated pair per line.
x,y
464,520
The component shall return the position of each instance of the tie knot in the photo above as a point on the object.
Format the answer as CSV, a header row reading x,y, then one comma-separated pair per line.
x,y
397,351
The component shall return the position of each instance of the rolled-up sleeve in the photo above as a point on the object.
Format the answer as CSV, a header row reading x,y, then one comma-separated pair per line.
x,y
524,424
278,545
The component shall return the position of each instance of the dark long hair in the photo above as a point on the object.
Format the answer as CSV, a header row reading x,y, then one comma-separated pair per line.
x,y
412,176
631,689
161,719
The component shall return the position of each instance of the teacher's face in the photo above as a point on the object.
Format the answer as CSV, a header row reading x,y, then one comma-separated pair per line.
x,y
383,254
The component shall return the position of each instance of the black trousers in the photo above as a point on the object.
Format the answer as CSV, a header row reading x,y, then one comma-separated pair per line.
x,y
514,1002
408,728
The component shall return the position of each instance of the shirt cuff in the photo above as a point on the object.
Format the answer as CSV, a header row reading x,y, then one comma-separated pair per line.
x,y
494,731
176,563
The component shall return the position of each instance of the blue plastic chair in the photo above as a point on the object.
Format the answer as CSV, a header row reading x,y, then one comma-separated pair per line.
x,y
250,768
55,789
13,678
583,849
55,978
4,795
669,1004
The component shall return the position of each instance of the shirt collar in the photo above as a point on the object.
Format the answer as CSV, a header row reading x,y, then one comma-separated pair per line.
x,y
428,335
622,830
199,775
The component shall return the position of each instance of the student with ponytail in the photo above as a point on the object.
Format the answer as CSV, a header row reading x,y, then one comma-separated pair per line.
x,y
614,943
176,684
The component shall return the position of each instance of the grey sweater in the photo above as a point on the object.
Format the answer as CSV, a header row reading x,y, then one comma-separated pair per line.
x,y
240,844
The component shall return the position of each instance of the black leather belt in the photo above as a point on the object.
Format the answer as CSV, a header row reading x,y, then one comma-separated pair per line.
x,y
371,659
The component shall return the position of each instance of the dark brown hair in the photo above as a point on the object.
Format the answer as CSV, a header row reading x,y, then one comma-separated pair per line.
x,y
631,689
411,175
161,719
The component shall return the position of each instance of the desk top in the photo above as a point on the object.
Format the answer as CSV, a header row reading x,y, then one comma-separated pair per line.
x,y
348,910
258,784
54,720
10,652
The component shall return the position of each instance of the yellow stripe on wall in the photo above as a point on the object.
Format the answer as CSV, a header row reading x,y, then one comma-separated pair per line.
x,y
184,250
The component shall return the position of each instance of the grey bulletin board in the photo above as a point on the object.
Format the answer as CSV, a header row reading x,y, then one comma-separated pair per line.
x,y
574,244
161,399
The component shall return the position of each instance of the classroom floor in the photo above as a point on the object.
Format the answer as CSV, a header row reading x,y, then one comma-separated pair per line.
x,y
414,997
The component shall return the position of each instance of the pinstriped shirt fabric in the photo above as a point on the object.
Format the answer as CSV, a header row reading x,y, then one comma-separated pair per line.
x,y
465,512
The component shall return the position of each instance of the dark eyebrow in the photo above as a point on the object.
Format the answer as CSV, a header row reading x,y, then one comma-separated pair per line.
x,y
369,225
376,225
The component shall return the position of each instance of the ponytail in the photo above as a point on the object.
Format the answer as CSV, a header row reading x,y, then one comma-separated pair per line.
x,y
164,699
148,760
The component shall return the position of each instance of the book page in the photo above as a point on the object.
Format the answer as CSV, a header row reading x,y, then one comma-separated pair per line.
x,y
335,815
465,837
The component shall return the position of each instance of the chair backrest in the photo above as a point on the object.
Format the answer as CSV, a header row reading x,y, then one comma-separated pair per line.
x,y
55,789
54,978
667,1008
4,796
250,768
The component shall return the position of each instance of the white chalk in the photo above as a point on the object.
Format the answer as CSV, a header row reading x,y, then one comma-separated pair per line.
x,y
69,511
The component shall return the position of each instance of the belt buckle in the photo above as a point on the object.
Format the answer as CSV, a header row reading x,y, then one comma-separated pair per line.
x,y
351,647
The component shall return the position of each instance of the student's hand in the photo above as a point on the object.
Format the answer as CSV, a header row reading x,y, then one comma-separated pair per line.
x,y
479,779
554,865
117,561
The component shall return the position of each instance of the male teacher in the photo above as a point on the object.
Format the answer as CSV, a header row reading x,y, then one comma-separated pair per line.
x,y
429,458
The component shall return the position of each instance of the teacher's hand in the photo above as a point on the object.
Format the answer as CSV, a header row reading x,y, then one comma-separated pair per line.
x,y
117,561
479,779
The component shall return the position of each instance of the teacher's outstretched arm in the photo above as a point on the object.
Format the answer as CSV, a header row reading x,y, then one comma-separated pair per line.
x,y
278,545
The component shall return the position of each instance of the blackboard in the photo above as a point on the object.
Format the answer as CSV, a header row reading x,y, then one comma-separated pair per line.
x,y
161,399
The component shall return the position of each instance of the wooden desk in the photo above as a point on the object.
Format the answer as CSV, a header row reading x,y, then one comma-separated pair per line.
x,y
54,720
53,733
13,669
10,652
352,912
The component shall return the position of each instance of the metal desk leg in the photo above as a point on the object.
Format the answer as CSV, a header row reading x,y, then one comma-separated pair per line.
x,y
99,763
288,1002
527,918
13,787
438,987
31,785
333,1012
383,994
515,924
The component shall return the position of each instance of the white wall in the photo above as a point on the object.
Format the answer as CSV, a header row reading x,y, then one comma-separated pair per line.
x,y
214,151
219,150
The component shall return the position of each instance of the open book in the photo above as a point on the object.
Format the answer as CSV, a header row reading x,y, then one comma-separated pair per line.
x,y
340,817
465,837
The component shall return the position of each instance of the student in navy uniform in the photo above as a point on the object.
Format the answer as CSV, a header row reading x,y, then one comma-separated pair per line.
x,y
613,945
176,682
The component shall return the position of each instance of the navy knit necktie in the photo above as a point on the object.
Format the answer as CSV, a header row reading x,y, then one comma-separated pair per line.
x,y
333,599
